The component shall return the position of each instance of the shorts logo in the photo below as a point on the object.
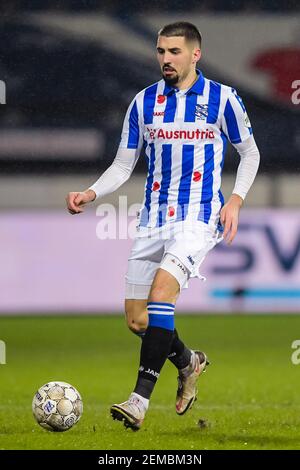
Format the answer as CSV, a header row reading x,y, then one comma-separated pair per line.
x,y
191,260
180,266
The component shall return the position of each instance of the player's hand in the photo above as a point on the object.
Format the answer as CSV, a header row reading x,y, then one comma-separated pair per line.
x,y
230,217
76,200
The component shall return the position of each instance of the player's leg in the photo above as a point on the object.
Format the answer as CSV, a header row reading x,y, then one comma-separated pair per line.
x,y
155,348
168,281
136,316
137,322
183,358
165,289
188,250
144,261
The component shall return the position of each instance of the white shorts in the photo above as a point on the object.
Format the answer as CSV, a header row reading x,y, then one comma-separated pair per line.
x,y
181,255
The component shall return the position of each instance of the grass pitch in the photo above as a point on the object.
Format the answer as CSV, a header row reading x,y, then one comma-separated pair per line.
x,y
248,398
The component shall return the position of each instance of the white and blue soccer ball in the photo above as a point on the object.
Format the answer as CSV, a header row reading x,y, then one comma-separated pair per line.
x,y
57,406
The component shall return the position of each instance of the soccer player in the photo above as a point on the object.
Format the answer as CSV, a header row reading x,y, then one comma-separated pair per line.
x,y
184,122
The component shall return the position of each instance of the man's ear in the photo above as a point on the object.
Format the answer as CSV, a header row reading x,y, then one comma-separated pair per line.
x,y
196,55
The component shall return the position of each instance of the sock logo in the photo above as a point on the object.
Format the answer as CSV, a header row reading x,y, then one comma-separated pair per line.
x,y
152,372
173,354
149,371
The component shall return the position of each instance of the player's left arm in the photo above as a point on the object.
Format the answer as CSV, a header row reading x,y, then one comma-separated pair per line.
x,y
238,129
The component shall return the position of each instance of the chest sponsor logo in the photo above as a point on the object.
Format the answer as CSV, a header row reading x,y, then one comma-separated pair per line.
x,y
163,134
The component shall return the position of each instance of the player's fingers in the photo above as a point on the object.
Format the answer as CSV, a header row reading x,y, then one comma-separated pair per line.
x,y
227,226
77,211
71,201
222,216
73,208
233,233
78,199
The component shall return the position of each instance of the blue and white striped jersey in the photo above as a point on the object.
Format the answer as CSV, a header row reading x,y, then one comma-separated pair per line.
x,y
184,133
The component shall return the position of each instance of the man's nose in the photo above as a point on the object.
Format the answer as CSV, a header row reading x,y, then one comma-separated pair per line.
x,y
167,59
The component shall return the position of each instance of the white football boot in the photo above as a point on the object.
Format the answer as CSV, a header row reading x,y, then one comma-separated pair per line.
x,y
131,412
187,382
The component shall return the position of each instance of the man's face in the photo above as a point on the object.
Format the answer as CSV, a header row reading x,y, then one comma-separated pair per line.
x,y
176,57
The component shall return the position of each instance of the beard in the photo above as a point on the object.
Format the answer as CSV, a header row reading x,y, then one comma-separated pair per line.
x,y
171,79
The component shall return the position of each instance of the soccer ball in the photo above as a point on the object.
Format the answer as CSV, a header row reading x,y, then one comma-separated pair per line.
x,y
57,406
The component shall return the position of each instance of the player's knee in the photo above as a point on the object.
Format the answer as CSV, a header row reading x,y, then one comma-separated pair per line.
x,y
158,294
137,328
137,322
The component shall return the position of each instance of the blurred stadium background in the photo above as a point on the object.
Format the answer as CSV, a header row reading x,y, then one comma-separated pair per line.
x,y
70,69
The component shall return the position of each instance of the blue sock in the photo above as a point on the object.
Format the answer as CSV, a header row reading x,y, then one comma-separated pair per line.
x,y
155,346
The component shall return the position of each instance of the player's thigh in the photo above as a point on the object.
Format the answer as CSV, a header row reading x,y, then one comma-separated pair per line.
x,y
143,263
186,252
165,287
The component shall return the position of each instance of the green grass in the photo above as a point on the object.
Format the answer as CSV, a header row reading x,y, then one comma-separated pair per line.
x,y
248,398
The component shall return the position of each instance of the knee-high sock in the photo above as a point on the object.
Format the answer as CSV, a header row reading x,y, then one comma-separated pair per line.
x,y
156,346
179,354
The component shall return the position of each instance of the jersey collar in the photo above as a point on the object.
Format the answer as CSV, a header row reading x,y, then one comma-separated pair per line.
x,y
197,88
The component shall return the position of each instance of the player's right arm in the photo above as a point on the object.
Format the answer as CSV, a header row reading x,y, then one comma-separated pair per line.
x,y
121,168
